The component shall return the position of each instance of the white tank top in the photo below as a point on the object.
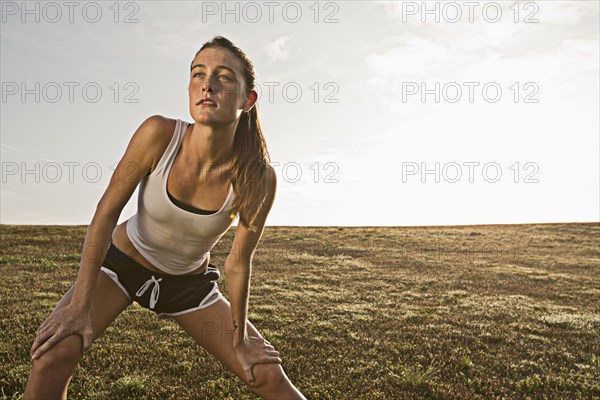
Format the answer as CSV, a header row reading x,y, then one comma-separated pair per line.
x,y
174,240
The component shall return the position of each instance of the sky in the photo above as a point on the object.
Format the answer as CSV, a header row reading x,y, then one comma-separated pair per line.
x,y
375,113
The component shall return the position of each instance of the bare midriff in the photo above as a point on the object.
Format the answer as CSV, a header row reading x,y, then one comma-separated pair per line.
x,y
122,242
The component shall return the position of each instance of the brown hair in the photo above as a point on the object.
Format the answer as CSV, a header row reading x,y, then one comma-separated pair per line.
x,y
249,171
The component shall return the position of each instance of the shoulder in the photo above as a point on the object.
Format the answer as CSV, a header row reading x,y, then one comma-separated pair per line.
x,y
156,133
271,180
157,125
155,129
270,187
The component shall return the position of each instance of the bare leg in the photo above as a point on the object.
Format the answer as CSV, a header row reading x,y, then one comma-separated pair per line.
x,y
212,328
51,373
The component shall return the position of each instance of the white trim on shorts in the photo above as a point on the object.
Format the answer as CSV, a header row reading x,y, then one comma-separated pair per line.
x,y
113,275
203,304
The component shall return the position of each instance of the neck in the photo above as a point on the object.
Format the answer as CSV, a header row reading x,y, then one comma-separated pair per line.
x,y
211,147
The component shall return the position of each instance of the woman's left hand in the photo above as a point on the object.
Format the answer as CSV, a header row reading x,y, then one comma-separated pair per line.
x,y
255,350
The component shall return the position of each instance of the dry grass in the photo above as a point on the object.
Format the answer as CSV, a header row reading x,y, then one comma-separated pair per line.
x,y
472,312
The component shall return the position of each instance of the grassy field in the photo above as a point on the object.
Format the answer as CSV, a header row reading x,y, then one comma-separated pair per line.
x,y
465,312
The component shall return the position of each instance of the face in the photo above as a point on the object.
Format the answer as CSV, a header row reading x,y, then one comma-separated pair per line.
x,y
217,74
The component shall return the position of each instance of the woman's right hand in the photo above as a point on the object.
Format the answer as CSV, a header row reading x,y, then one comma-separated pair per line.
x,y
67,320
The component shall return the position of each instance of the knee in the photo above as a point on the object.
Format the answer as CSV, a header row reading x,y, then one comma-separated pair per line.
x,y
268,375
65,353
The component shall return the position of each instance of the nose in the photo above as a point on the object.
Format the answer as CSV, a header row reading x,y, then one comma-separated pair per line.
x,y
208,86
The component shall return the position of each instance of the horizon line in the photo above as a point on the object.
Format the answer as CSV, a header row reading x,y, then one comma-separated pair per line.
x,y
362,226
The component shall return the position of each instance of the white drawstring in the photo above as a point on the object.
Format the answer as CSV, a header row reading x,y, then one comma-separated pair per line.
x,y
155,290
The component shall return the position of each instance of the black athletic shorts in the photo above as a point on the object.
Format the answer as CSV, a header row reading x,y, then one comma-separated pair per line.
x,y
167,295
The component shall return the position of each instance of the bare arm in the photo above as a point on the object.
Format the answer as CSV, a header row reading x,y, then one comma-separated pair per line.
x,y
94,251
75,317
133,167
238,265
238,289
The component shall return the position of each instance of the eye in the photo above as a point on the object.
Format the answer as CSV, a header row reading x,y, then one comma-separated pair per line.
x,y
225,76
197,73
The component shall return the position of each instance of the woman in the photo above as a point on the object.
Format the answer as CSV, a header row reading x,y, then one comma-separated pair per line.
x,y
194,179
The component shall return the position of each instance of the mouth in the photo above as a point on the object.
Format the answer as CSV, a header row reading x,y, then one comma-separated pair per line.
x,y
206,102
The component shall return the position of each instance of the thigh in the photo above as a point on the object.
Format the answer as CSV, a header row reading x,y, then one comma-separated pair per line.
x,y
212,328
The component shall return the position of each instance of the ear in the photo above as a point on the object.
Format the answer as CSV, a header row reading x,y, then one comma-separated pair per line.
x,y
250,100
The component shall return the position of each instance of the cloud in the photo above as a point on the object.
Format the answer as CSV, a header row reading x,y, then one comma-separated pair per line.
x,y
6,147
558,57
277,49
